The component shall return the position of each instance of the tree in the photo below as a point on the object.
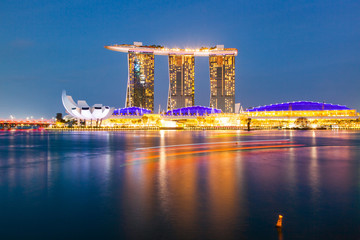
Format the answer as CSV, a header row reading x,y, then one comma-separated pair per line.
x,y
248,123
145,119
302,122
59,117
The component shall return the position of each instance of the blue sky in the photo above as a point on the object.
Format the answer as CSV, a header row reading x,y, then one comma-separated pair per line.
x,y
288,50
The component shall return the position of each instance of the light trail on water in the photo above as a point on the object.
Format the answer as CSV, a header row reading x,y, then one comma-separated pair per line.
x,y
216,150
201,146
213,143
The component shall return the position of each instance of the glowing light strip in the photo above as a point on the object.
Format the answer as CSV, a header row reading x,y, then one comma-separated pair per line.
x,y
195,52
191,144
217,150
206,146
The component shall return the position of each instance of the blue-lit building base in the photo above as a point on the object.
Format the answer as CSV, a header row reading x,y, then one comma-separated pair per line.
x,y
131,111
298,106
193,111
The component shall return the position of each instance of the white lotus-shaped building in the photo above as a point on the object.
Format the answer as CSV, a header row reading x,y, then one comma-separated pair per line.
x,y
82,110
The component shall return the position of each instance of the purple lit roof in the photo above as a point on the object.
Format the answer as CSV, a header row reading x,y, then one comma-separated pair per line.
x,y
136,111
298,106
194,110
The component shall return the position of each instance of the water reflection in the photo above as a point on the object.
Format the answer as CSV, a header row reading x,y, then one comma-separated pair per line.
x,y
163,178
314,173
223,195
228,189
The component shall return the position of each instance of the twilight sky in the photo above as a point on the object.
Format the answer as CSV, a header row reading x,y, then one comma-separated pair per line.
x,y
288,50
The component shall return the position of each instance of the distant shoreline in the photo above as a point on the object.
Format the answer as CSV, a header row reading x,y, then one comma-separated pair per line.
x,y
188,129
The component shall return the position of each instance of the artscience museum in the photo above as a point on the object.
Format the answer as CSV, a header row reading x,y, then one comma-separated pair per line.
x,y
82,111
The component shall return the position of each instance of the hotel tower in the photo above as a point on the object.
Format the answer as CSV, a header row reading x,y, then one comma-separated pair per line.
x,y
140,87
181,86
222,82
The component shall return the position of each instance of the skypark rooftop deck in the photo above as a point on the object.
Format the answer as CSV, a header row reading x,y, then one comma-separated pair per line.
x,y
160,50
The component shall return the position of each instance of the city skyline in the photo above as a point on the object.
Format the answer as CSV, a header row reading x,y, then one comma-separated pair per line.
x,y
287,51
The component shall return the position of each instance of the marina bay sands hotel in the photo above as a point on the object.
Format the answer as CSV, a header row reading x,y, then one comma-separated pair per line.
x,y
140,86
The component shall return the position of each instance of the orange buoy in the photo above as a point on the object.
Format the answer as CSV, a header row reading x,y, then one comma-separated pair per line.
x,y
279,222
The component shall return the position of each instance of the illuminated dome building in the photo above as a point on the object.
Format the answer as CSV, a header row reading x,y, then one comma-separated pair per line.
x,y
193,111
285,114
299,106
131,111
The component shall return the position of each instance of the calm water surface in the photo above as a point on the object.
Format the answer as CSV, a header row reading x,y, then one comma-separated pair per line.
x,y
180,185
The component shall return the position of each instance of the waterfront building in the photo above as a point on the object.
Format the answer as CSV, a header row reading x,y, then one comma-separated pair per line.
x,y
140,90
289,115
192,111
82,111
238,108
315,114
181,76
140,87
131,111
222,82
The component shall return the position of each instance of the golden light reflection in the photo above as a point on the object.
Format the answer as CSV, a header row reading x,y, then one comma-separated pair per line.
x,y
163,181
184,192
216,150
314,173
223,193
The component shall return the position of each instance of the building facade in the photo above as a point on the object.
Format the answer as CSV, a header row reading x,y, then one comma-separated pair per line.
x,y
222,82
140,87
181,85
303,114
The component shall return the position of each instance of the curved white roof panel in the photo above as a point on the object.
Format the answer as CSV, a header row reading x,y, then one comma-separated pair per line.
x,y
98,112
68,103
109,112
75,113
82,110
